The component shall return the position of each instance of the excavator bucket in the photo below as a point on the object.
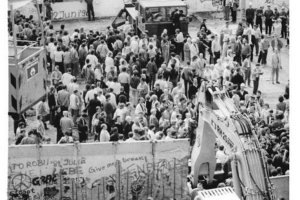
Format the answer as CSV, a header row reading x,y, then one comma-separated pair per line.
x,y
225,193
203,159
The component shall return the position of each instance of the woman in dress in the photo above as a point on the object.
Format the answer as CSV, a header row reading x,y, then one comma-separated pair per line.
x,y
165,48
194,50
134,82
187,50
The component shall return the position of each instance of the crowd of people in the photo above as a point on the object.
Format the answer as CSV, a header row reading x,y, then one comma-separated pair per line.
x,y
118,86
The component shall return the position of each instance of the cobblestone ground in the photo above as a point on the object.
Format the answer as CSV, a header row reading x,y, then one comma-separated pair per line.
x,y
270,91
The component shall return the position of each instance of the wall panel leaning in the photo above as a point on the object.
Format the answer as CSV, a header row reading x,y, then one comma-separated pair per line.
x,y
99,171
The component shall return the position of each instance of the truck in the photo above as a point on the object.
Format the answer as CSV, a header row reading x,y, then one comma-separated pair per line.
x,y
152,17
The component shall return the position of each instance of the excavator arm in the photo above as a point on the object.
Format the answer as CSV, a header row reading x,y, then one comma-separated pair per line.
x,y
219,119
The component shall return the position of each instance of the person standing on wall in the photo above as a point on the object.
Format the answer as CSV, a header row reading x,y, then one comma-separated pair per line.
x,y
90,9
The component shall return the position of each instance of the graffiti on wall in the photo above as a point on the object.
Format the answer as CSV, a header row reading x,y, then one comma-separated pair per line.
x,y
126,176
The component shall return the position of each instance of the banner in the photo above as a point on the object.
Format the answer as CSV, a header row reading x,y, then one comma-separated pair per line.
x,y
99,171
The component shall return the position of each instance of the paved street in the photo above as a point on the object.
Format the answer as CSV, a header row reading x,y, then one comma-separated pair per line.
x,y
270,91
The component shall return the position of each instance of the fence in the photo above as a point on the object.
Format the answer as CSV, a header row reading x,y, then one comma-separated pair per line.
x,y
99,171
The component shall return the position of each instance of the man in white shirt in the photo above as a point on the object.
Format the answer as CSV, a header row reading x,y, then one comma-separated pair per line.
x,y
215,48
93,59
67,77
134,45
179,43
58,59
101,97
130,139
90,94
74,105
124,79
247,69
51,48
116,86
121,112
73,86
178,89
109,62
226,30
214,73
112,98
221,156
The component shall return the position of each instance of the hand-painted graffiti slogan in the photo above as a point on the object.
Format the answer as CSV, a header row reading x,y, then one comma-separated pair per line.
x,y
98,176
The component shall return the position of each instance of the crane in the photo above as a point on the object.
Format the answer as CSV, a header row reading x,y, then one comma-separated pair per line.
x,y
219,118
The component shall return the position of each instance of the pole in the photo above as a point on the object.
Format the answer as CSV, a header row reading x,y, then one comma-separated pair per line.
x,y
41,23
12,17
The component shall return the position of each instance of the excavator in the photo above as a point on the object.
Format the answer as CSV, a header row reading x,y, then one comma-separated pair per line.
x,y
220,120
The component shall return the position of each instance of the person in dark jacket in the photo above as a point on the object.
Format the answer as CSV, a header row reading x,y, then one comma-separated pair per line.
x,y
237,78
58,116
250,13
92,108
151,72
268,21
127,127
52,104
114,136
242,92
82,127
173,75
259,14
234,7
283,17
157,91
193,89
109,110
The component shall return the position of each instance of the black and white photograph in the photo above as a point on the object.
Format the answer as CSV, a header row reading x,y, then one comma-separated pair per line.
x,y
148,99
